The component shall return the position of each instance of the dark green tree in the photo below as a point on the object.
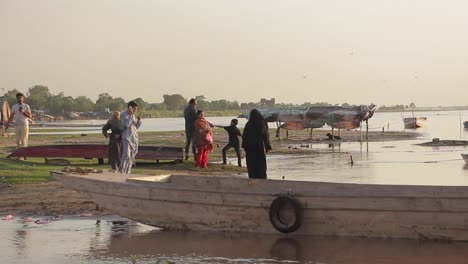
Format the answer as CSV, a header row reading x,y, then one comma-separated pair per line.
x,y
174,101
55,104
38,97
68,105
117,104
83,104
103,102
142,105
10,97
200,98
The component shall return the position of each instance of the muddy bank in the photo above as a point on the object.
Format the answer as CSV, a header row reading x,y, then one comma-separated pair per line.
x,y
43,199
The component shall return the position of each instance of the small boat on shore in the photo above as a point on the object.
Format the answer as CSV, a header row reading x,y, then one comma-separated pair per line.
x,y
238,204
98,151
414,122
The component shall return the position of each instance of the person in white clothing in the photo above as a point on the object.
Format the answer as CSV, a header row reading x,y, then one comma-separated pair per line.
x,y
130,124
21,113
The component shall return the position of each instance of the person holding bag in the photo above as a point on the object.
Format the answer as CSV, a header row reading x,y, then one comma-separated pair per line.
x,y
203,139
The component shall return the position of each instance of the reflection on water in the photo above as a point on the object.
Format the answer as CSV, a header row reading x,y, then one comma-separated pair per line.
x,y
393,162
76,240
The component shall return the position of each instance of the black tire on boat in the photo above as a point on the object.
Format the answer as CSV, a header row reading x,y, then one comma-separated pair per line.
x,y
275,218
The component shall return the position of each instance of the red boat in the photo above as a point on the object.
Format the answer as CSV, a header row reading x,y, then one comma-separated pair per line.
x,y
99,151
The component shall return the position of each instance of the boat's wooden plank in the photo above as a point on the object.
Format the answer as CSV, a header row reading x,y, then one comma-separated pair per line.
x,y
156,178
237,184
301,188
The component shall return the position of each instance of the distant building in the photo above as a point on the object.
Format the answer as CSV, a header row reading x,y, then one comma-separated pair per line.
x,y
267,103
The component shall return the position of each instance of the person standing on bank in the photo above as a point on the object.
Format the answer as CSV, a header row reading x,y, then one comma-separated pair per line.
x,y
190,116
115,140
233,133
130,125
203,140
21,113
255,142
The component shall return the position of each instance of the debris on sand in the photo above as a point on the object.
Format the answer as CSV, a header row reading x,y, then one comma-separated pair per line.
x,y
81,171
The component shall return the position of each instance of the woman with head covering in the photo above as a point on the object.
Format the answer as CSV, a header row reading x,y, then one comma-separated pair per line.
x,y
255,142
115,140
203,139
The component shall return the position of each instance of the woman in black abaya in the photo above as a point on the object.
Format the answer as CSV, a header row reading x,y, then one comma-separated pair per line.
x,y
255,142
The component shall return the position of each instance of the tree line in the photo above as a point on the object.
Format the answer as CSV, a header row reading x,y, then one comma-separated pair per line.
x,y
40,98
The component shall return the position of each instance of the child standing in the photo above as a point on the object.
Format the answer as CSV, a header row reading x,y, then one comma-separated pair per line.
x,y
233,133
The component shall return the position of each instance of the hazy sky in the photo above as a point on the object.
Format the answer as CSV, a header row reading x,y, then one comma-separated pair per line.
x,y
356,51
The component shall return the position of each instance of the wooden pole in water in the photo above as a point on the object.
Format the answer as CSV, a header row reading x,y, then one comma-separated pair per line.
x,y
367,130
460,125
360,127
367,135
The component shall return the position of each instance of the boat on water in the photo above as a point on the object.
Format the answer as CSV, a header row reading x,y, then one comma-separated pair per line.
x,y
339,117
465,157
414,122
238,204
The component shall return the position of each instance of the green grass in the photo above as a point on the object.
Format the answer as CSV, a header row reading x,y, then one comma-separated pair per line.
x,y
34,170
13,171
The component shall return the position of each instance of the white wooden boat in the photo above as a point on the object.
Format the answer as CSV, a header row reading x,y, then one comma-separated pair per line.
x,y
465,157
414,122
234,203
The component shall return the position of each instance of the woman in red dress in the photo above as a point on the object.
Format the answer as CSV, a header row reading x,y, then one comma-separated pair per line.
x,y
203,139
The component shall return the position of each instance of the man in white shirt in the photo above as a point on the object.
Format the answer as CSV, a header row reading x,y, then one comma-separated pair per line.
x,y
130,124
21,113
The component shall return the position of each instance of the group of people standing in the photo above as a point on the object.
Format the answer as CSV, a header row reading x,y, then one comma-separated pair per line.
x,y
255,140
123,139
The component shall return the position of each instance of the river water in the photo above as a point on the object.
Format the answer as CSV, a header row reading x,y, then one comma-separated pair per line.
x,y
392,162
80,240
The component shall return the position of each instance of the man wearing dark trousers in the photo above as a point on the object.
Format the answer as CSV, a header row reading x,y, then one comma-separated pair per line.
x,y
233,133
190,115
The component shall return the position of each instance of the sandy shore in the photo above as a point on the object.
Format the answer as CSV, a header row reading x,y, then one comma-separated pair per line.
x,y
43,199
53,199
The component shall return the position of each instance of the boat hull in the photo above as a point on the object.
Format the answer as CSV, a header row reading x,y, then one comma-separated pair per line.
x,y
242,205
414,122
